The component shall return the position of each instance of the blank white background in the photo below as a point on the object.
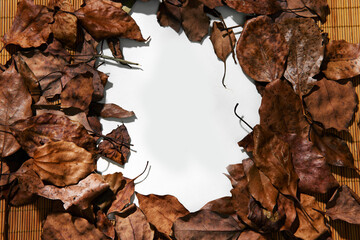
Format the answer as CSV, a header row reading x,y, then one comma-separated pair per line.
x,y
185,126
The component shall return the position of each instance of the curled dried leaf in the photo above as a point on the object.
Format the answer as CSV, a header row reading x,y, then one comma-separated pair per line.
x,y
223,41
109,110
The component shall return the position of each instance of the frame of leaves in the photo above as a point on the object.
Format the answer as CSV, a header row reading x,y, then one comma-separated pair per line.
x,y
51,134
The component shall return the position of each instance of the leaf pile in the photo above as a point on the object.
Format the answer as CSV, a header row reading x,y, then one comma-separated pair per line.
x,y
51,136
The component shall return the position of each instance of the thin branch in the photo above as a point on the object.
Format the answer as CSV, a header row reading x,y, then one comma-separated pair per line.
x,y
241,117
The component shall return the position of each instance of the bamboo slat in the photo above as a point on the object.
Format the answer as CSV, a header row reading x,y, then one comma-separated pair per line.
x,y
343,23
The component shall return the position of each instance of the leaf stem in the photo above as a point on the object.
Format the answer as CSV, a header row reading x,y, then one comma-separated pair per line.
x,y
241,117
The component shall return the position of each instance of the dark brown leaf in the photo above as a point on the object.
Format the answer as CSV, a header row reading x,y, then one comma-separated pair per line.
x,y
62,163
333,104
298,7
251,235
194,20
105,19
114,46
80,195
281,110
15,104
31,26
314,174
261,7
161,211
272,156
109,110
342,60
169,14
334,149
306,230
222,205
205,224
262,50
105,225
306,52
118,147
63,226
222,40
123,195
36,131
320,7
77,93
259,186
212,3
288,207
344,205
64,26
131,224
236,172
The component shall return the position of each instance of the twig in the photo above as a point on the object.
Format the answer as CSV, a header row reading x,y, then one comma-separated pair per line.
x,y
241,117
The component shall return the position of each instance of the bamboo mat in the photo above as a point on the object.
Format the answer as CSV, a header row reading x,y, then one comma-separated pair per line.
x,y
343,23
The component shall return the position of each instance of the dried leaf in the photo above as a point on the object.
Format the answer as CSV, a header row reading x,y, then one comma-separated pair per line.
x,y
36,131
222,205
251,235
194,20
272,156
281,110
63,226
15,104
212,3
298,7
31,26
342,60
262,50
288,207
62,163
132,224
334,149
77,93
169,14
123,195
161,211
205,224
105,225
314,174
237,173
333,104
320,7
114,46
117,148
306,230
306,52
80,195
64,26
344,205
109,110
261,7
223,41
105,19
259,186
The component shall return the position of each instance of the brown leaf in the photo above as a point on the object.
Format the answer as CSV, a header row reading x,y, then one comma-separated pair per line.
x,y
85,48
222,205
236,172
109,110
298,7
259,186
262,50
15,104
281,110
29,78
306,230
66,227
261,7
77,93
80,195
251,235
205,224
342,60
212,3
314,174
247,142
114,46
168,14
334,149
62,163
105,225
105,19
272,156
306,52
344,205
31,26
65,26
288,207
47,69
320,7
161,211
194,20
36,131
123,195
223,41
118,147
333,104
131,224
